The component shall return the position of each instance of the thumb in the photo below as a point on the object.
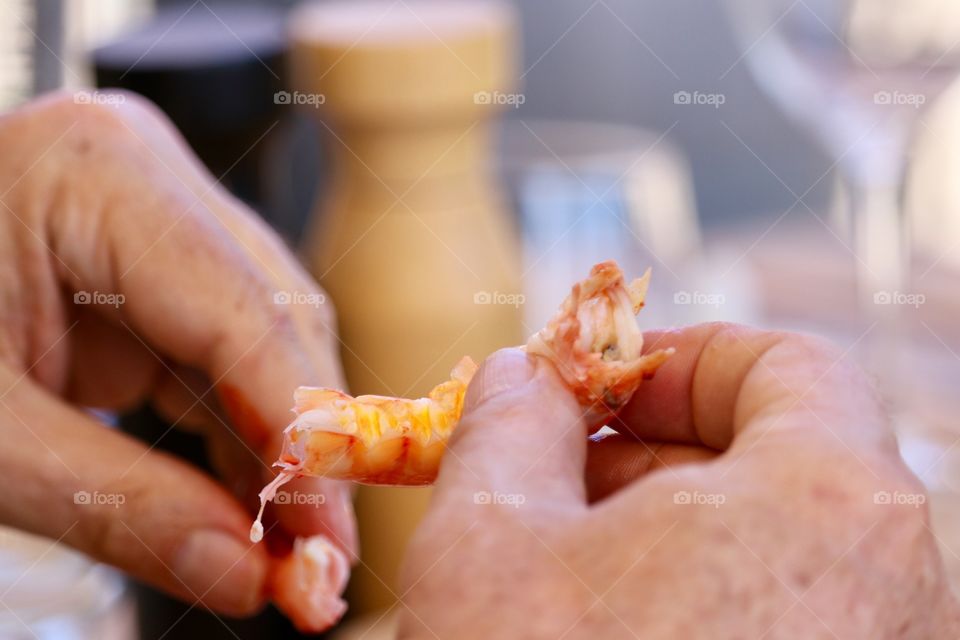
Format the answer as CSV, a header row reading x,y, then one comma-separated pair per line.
x,y
521,433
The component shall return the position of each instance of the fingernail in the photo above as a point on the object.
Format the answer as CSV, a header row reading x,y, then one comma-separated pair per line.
x,y
505,370
221,571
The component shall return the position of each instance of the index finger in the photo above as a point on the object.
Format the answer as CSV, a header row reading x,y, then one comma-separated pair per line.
x,y
726,382
198,273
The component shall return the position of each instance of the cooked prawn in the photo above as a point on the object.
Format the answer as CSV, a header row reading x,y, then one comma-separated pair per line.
x,y
593,340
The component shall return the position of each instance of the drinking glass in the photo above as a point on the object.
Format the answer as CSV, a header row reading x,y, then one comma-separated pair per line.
x,y
858,74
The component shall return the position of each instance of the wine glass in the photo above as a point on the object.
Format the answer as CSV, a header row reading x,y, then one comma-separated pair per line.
x,y
858,74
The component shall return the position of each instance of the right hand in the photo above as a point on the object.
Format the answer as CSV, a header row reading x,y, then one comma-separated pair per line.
x,y
756,491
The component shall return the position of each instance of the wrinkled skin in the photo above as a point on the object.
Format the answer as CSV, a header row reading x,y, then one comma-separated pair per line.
x,y
739,502
107,198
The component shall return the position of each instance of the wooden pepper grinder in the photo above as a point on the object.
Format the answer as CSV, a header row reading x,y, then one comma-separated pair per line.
x,y
412,239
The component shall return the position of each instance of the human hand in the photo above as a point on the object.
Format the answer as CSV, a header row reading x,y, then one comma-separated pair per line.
x,y
756,490
129,274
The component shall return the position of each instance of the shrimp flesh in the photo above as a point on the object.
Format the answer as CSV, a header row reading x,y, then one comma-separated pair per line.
x,y
368,439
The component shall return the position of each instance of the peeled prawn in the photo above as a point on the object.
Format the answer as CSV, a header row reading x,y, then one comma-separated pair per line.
x,y
368,439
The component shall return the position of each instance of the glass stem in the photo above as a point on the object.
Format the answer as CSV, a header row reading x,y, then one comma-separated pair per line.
x,y
882,259
878,242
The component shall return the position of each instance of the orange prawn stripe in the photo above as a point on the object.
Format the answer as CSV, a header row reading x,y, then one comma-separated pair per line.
x,y
397,461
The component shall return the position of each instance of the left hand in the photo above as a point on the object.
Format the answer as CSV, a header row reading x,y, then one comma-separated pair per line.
x,y
130,275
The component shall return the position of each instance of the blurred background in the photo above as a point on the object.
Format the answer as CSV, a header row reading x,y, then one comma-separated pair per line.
x,y
456,165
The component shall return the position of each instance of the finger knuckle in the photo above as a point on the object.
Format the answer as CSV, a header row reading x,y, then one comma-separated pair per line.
x,y
112,116
93,112
106,135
